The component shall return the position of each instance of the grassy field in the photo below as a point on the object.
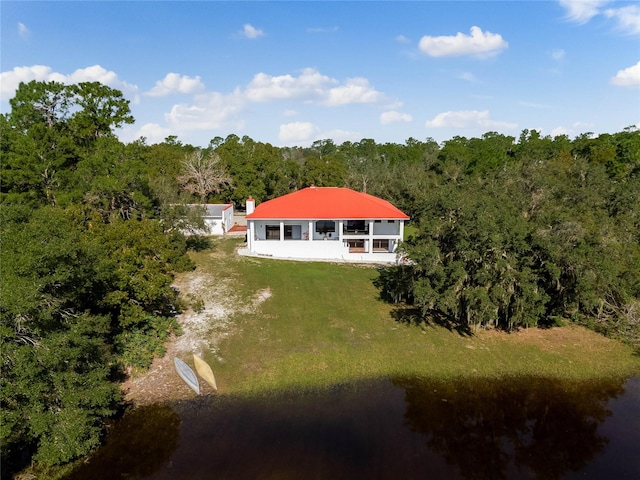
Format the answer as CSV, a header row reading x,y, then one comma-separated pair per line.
x,y
324,324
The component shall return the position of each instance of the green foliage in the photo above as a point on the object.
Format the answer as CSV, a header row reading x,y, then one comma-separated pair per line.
x,y
473,262
86,269
80,297
139,345
529,237
257,169
134,263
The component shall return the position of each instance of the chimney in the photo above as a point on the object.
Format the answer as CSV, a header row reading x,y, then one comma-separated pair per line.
x,y
250,206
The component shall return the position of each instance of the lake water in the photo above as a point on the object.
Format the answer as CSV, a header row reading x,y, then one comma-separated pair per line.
x,y
404,428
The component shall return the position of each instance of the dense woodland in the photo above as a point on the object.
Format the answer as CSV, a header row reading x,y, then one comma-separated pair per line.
x,y
506,232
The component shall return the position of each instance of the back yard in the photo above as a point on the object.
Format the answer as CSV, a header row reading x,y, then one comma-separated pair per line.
x,y
267,325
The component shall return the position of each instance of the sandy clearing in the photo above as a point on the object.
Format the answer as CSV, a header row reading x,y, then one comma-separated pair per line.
x,y
202,331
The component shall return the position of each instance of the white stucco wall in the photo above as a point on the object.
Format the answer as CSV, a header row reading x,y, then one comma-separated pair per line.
x,y
218,224
213,226
312,245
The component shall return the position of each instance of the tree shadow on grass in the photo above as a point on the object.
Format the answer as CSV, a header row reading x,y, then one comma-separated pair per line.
x,y
198,243
413,316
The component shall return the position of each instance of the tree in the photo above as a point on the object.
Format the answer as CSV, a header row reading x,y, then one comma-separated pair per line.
x,y
85,265
546,232
203,174
100,110
50,127
55,381
327,171
48,103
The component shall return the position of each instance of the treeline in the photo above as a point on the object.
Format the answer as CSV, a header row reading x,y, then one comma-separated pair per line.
x,y
87,264
528,233
507,232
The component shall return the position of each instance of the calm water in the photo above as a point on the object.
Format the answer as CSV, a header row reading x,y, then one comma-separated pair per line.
x,y
387,429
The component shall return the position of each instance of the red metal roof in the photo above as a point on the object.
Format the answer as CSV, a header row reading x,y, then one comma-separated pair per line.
x,y
326,203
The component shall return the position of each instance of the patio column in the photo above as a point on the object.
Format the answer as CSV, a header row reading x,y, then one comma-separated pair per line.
x,y
310,230
281,231
249,234
369,248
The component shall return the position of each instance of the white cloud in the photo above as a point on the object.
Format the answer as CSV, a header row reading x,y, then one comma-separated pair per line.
x,y
304,134
215,110
340,136
175,83
394,117
251,32
479,43
23,31
322,30
577,128
468,77
629,77
208,111
402,39
297,132
96,73
153,132
10,80
581,11
311,86
467,119
355,90
558,54
628,18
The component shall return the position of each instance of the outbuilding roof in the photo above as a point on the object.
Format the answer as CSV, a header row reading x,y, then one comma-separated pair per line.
x,y
216,209
326,203
211,209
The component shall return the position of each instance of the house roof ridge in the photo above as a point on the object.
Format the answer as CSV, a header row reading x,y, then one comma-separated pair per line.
x,y
326,203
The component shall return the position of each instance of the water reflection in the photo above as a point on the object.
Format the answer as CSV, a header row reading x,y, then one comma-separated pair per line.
x,y
407,428
492,429
137,446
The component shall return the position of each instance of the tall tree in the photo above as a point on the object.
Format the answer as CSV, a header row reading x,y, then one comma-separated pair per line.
x,y
100,110
203,174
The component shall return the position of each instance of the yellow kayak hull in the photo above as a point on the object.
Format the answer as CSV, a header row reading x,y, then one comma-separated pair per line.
x,y
204,370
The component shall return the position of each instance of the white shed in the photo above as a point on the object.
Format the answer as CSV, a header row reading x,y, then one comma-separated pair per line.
x,y
218,218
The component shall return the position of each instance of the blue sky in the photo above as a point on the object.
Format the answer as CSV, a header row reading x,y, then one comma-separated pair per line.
x,y
289,73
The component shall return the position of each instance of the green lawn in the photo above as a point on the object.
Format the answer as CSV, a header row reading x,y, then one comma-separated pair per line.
x,y
324,324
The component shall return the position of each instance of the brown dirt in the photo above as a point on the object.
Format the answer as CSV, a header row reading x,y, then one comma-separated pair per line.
x,y
557,339
202,332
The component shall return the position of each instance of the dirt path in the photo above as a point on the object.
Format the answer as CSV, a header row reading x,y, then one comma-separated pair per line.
x,y
202,331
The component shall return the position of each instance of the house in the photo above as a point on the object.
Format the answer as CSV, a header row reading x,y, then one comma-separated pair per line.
x,y
218,218
325,223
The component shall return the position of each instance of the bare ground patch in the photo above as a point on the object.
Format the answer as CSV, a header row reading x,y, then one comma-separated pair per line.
x,y
558,339
204,324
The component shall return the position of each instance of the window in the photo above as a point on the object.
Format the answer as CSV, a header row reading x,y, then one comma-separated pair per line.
x,y
377,221
356,246
355,226
273,232
380,245
325,226
288,232
391,221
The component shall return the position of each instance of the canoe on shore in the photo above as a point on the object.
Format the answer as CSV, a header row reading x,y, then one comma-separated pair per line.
x,y
204,370
187,374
